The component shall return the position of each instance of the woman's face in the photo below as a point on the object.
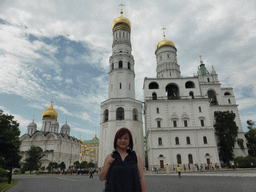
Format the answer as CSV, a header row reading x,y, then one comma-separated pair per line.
x,y
123,141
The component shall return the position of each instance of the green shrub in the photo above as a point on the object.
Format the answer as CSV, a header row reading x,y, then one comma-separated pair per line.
x,y
245,162
3,172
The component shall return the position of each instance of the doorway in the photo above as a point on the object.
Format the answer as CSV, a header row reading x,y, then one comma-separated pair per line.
x,y
162,163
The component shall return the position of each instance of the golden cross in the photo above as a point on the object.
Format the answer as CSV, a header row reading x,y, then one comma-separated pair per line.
x,y
163,32
121,9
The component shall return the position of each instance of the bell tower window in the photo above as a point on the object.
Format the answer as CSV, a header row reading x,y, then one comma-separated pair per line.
x,y
120,64
129,65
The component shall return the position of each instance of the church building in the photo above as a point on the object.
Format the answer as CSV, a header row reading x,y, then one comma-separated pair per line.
x,y
179,112
56,147
121,109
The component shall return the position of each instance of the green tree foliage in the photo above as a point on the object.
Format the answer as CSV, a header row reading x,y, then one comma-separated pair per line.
x,y
83,164
77,164
62,165
90,164
33,160
240,143
226,131
245,162
10,143
251,138
52,165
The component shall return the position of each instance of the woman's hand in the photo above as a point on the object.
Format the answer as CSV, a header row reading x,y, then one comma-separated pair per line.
x,y
110,159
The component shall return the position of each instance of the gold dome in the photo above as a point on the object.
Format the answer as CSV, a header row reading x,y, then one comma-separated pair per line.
x,y
91,151
81,140
50,113
121,20
85,146
87,149
82,145
81,154
164,43
95,138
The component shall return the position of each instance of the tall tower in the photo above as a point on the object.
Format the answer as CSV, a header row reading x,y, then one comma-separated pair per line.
x,y
166,59
121,109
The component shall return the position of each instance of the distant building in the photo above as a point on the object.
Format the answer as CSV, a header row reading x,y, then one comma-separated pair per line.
x,y
57,147
90,151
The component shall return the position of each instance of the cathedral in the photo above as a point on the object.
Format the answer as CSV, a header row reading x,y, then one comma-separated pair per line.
x,y
178,111
56,147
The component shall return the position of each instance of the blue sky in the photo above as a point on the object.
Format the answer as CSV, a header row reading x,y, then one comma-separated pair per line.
x,y
60,49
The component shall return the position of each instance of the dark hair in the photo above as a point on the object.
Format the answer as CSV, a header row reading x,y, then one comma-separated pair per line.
x,y
120,133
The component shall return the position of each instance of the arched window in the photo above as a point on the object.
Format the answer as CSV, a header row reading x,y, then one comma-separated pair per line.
x,y
191,94
120,64
229,101
161,155
135,114
188,140
154,96
120,113
159,141
178,159
190,84
157,110
172,91
120,85
212,97
190,159
177,140
205,139
153,85
200,109
105,115
129,65
112,66
207,154
227,93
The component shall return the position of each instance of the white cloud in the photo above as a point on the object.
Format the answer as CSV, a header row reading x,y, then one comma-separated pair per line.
x,y
85,131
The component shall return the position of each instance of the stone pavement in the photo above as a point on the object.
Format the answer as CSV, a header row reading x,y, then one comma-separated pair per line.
x,y
234,181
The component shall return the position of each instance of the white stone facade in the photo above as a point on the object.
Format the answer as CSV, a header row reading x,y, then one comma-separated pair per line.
x,y
183,108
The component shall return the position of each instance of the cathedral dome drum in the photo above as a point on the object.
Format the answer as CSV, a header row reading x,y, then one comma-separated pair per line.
x,y
55,123
65,126
50,113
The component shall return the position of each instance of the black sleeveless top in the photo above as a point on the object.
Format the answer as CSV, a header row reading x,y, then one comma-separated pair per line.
x,y
123,175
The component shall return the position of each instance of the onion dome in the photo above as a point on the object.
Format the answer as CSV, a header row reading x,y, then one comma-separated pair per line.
x,y
165,43
91,151
121,23
32,124
81,154
65,126
95,138
81,140
85,146
50,113
82,145
87,149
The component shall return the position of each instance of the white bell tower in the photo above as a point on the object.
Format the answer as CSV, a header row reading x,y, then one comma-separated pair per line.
x,y
121,109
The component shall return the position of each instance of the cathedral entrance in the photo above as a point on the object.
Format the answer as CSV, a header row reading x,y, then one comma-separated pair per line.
x,y
208,161
161,163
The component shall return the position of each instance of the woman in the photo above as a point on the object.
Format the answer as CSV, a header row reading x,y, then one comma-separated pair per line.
x,y
123,168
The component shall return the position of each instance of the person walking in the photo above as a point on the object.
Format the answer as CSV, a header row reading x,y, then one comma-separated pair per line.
x,y
91,173
179,171
167,169
123,169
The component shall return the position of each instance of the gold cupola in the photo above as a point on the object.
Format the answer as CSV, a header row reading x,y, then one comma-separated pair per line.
x,y
95,138
121,23
50,113
165,42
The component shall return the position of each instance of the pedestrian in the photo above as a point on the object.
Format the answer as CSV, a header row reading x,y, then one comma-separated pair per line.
x,y
184,168
91,173
167,169
156,169
201,167
179,170
123,169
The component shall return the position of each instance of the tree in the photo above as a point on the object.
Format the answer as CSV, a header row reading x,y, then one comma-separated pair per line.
x,y
62,165
226,131
10,143
77,164
33,160
83,164
251,138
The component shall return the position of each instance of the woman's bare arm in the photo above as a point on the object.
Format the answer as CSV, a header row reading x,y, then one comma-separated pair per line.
x,y
105,169
141,174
